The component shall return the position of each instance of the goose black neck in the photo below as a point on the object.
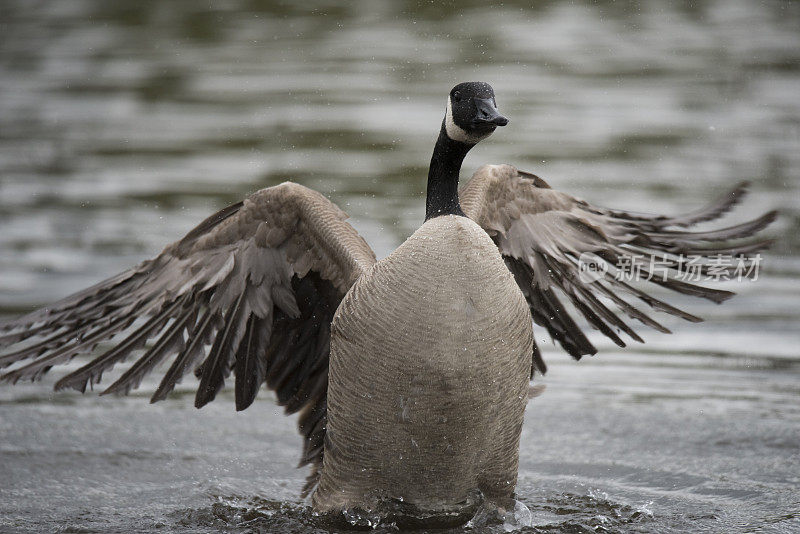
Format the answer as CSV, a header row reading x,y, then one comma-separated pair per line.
x,y
443,177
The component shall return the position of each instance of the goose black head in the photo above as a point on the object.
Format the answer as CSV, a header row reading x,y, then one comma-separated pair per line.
x,y
472,113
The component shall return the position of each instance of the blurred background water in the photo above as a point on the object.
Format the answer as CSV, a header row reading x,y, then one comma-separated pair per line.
x,y
123,124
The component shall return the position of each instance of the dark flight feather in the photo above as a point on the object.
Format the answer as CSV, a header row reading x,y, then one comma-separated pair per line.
x,y
251,360
217,365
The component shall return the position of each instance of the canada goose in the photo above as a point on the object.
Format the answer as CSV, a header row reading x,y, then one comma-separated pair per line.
x,y
410,373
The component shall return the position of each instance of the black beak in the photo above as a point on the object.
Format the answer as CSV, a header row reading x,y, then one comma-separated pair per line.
x,y
487,113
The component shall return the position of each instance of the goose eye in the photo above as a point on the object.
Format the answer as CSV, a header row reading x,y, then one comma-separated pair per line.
x,y
457,96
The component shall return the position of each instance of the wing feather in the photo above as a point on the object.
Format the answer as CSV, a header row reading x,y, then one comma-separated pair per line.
x,y
91,373
171,341
192,352
217,365
251,360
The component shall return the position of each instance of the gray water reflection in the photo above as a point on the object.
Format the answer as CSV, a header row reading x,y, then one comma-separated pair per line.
x,y
123,124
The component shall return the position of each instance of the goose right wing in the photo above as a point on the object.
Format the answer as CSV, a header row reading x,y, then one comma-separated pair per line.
x,y
258,281
543,235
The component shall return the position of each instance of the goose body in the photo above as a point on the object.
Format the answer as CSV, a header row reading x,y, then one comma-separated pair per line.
x,y
444,392
410,374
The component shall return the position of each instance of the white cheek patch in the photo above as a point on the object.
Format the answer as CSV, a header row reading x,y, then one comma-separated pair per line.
x,y
456,132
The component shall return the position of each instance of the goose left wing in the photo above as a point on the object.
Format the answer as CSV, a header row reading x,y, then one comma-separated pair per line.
x,y
546,236
259,282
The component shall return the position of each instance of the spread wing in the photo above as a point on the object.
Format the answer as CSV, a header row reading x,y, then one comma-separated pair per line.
x,y
545,236
258,282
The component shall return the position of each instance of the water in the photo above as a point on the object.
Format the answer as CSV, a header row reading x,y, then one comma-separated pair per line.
x,y
121,126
